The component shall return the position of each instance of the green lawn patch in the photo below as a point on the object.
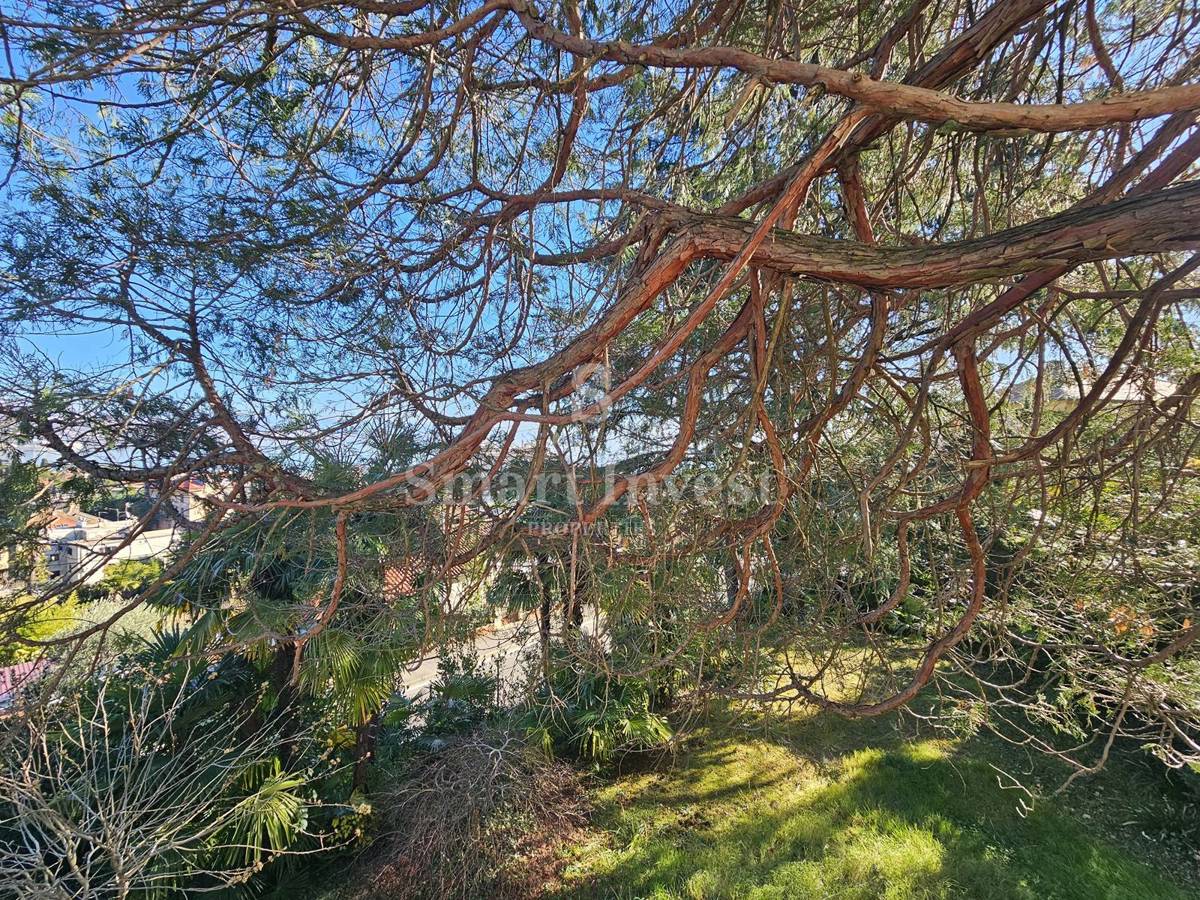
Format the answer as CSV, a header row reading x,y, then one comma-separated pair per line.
x,y
825,808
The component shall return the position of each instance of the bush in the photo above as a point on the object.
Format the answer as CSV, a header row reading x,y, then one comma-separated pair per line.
x,y
461,698
21,617
481,818
595,716
127,578
131,790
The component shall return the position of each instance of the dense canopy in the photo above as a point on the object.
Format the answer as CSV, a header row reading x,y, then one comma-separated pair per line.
x,y
806,341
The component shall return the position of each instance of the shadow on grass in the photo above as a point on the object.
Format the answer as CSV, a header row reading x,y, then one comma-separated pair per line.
x,y
799,815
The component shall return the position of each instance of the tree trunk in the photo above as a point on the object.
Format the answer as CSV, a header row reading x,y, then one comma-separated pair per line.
x,y
573,603
287,692
544,606
733,580
366,739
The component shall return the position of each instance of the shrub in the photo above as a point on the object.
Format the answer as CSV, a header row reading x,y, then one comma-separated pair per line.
x,y
481,818
127,578
126,791
461,698
595,716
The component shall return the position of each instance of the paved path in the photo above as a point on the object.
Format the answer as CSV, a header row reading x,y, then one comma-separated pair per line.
x,y
500,648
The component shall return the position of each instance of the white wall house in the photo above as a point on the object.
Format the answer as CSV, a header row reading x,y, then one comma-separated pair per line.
x,y
1061,391
81,547
188,499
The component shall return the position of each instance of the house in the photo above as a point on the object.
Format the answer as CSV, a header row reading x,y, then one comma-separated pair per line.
x,y
64,531
81,547
1062,391
16,678
187,498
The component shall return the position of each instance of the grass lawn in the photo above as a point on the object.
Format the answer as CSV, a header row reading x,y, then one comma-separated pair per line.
x,y
818,807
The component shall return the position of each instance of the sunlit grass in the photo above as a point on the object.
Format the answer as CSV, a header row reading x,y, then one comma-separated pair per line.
x,y
822,808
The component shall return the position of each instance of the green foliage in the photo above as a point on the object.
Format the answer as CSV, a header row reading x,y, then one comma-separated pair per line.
x,y
461,699
160,780
594,716
129,577
277,217
35,623
352,677
271,817
515,590
352,826
22,506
